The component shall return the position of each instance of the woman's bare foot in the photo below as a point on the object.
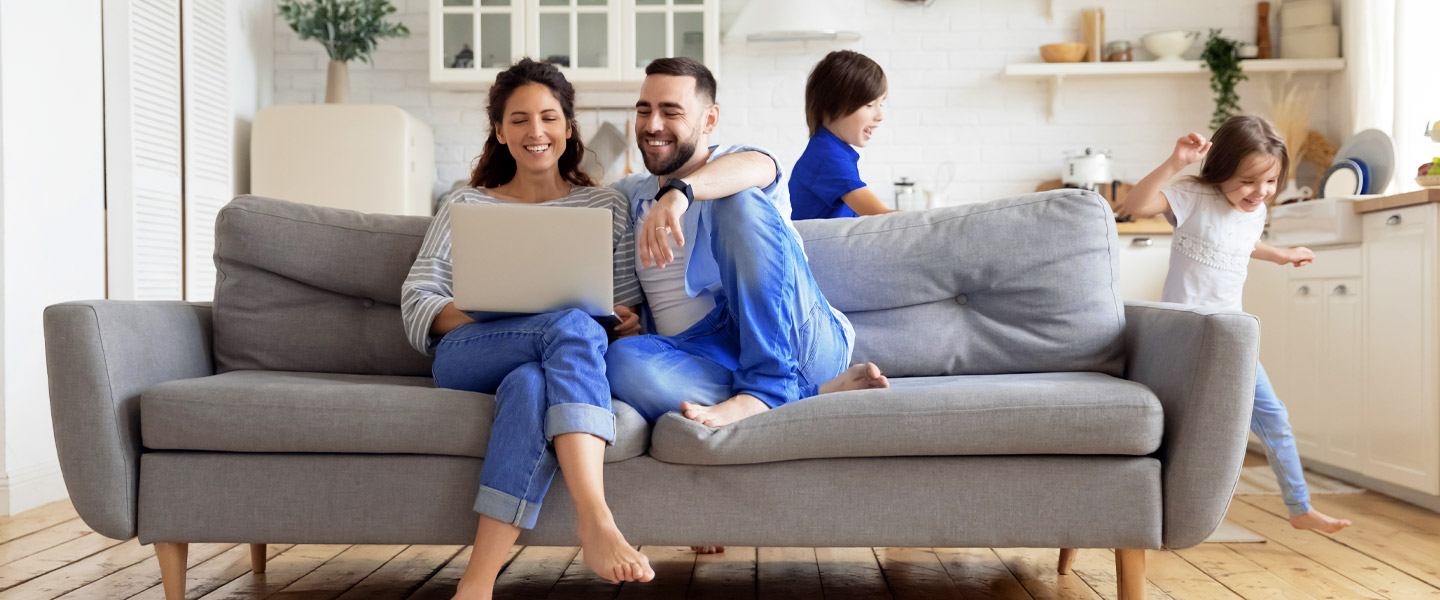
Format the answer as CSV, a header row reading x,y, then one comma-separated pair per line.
x,y
724,413
865,376
1318,521
707,549
608,554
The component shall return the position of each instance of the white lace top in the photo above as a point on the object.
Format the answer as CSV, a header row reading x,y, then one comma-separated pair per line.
x,y
1210,252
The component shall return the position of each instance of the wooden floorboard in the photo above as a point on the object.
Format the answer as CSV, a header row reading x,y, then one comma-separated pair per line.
x,y
1392,552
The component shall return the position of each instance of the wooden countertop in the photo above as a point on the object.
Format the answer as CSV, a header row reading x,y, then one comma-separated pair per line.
x,y
1157,226
1425,196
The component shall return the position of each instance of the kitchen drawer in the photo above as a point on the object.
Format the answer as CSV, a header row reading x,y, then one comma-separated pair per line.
x,y
1331,263
1422,215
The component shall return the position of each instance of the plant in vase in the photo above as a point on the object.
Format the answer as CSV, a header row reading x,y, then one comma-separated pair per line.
x,y
348,29
1222,56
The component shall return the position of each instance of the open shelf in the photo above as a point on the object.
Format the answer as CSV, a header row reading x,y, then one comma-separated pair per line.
x,y
1057,72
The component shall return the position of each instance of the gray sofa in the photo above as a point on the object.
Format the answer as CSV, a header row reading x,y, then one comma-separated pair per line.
x,y
1030,406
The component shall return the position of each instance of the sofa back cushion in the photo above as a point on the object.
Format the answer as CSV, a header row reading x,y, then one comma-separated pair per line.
x,y
1019,285
308,288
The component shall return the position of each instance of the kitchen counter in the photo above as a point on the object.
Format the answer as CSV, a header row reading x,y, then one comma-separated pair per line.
x,y
1425,196
1145,227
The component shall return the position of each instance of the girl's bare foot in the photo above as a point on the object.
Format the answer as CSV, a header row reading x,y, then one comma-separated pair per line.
x,y
724,413
864,376
1318,521
707,549
606,552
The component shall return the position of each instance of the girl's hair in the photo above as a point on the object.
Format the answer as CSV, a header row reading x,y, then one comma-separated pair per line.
x,y
496,166
1237,139
840,84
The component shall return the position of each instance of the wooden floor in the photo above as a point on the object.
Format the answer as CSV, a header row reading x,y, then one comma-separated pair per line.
x,y
1392,551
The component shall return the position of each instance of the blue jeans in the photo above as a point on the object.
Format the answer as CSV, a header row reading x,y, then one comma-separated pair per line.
x,y
771,334
1271,423
547,373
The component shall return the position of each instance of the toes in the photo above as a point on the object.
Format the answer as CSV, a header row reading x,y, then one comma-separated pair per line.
x,y
646,573
872,370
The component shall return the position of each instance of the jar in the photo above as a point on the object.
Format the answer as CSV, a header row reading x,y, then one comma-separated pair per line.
x,y
906,196
1118,51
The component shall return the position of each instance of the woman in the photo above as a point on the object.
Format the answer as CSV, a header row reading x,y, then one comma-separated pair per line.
x,y
547,372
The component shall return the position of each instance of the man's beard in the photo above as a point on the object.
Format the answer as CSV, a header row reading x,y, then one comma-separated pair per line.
x,y
683,152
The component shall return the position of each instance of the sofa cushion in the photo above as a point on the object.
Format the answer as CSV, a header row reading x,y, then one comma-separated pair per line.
x,y
1048,413
271,411
1021,285
309,288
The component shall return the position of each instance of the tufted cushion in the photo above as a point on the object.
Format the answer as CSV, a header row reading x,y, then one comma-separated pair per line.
x,y
1020,285
306,288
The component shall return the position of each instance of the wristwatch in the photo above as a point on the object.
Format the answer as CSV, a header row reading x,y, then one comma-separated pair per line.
x,y
675,183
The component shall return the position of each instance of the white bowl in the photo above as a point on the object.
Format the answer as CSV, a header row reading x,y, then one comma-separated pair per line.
x,y
1169,45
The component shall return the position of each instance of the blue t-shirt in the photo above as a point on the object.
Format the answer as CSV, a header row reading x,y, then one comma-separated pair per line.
x,y
827,170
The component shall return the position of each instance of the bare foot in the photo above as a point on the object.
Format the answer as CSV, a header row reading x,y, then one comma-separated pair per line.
x,y
605,551
707,549
724,413
864,376
1318,521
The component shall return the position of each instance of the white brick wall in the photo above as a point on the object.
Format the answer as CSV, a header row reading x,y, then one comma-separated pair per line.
x,y
947,103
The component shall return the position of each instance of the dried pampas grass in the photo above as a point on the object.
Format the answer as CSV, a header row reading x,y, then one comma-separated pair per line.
x,y
1290,103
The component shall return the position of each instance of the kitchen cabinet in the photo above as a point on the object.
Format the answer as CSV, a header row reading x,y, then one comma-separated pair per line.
x,y
609,41
1144,260
1401,428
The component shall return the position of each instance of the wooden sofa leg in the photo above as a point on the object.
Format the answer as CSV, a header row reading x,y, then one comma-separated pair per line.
x,y
1067,558
257,558
1130,574
172,558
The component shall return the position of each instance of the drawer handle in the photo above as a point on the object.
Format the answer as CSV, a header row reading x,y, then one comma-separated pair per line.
x,y
1142,241
1393,220
1341,290
1303,291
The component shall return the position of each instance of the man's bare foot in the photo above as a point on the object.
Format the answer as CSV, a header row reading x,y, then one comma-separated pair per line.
x,y
865,376
724,413
707,549
1318,521
605,551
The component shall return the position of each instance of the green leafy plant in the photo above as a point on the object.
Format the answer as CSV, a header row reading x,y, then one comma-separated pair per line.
x,y
349,29
1223,57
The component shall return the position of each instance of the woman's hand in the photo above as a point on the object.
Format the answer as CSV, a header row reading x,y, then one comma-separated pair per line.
x,y
1190,149
663,221
629,322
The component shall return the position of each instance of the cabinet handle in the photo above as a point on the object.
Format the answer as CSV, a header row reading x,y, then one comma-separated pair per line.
x,y
1393,220
1341,290
1303,291
1142,241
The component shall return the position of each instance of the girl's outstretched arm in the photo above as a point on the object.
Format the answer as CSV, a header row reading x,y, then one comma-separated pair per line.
x,y
1146,200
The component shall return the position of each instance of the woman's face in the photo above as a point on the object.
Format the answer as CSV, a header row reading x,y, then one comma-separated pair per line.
x,y
857,127
533,127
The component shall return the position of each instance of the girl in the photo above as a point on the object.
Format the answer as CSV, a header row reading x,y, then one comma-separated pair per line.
x,y
842,108
547,372
1218,217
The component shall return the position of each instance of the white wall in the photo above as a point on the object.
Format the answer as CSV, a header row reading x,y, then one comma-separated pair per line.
x,y
52,196
252,80
947,102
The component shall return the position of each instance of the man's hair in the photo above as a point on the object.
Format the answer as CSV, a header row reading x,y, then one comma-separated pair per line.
x,y
841,83
685,67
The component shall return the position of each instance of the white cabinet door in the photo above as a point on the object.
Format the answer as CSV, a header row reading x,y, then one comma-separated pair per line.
x,y
1297,382
1144,259
1265,297
665,28
1402,427
1341,401
474,40
582,37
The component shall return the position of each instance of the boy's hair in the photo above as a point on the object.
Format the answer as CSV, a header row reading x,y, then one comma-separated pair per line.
x,y
684,67
1237,139
840,84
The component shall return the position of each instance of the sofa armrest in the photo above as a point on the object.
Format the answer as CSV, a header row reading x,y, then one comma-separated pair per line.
x,y
100,355
1201,364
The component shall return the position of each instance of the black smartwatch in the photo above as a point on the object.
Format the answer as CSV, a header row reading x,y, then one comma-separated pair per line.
x,y
676,184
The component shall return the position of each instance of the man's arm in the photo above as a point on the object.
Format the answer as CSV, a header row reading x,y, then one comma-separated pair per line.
x,y
725,176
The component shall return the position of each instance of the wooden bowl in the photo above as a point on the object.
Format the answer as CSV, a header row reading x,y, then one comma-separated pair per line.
x,y
1063,52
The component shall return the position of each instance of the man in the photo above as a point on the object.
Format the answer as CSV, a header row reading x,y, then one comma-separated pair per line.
x,y
742,326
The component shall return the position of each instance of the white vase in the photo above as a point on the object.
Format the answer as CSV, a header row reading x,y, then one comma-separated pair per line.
x,y
337,83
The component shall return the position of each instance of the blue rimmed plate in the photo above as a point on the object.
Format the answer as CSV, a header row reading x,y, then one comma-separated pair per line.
x,y
1345,178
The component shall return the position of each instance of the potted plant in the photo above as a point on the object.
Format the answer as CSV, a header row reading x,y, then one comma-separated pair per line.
x,y
1222,56
349,30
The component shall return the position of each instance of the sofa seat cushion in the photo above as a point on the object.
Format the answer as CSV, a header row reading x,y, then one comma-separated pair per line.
x,y
273,411
1046,413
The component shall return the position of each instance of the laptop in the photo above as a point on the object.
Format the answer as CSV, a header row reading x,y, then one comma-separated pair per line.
x,y
511,260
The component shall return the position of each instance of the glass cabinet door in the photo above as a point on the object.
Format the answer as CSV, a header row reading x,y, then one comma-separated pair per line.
x,y
666,28
582,37
473,40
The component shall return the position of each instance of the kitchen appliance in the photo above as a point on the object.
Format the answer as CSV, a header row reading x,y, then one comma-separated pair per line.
x,y
1087,169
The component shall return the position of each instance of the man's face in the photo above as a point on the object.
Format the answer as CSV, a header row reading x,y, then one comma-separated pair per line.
x,y
671,122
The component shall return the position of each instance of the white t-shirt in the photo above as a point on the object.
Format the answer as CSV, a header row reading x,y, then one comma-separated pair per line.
x,y
672,308
1210,252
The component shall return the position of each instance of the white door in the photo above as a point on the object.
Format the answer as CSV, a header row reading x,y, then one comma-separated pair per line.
x,y
209,131
1401,426
1144,259
1298,381
1342,404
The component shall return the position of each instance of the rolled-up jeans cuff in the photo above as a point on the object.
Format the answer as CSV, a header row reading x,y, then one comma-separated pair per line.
x,y
505,508
575,417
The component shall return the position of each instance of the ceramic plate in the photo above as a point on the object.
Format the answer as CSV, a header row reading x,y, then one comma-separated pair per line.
x,y
1377,150
1344,179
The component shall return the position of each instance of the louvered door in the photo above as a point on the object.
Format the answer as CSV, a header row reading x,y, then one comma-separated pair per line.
x,y
209,146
